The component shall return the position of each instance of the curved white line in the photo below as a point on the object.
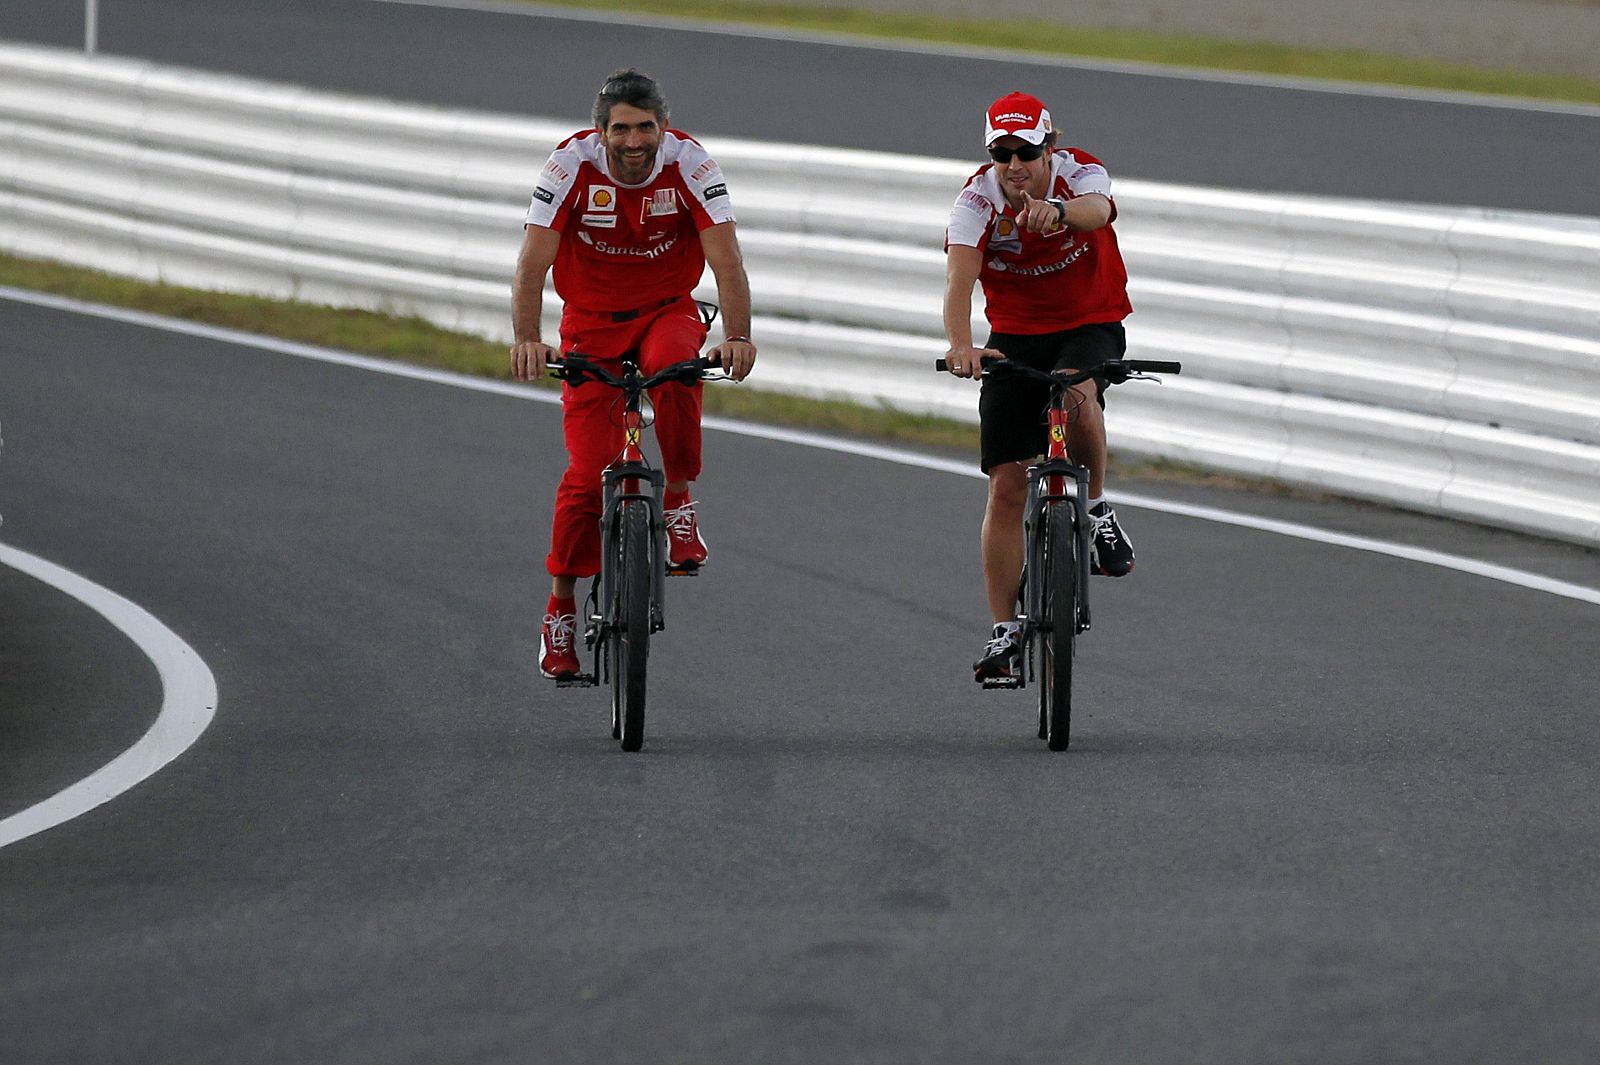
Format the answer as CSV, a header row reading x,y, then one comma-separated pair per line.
x,y
1504,574
188,701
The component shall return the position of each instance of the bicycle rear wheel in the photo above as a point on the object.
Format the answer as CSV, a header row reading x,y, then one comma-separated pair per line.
x,y
630,631
1056,632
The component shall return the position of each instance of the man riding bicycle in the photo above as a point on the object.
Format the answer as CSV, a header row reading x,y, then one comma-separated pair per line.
x,y
1034,228
627,214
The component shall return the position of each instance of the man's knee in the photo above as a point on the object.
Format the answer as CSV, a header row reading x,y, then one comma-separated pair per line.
x,y
1008,488
580,485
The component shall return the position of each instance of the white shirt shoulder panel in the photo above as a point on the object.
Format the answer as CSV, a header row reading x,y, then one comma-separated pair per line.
x,y
975,209
1083,174
701,175
559,173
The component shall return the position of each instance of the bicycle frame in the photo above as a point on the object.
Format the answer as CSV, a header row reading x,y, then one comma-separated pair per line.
x,y
628,478
624,479
1055,479
1052,584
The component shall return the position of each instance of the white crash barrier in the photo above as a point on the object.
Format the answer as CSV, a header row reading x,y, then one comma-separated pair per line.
x,y
1442,359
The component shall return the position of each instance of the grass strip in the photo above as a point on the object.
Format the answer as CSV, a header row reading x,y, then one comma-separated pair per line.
x,y
416,341
1166,49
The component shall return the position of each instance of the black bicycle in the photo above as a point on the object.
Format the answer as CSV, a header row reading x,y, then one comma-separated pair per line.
x,y
1053,598
626,600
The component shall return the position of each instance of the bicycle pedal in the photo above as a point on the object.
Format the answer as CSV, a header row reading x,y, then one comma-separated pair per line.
x,y
582,680
1003,683
684,571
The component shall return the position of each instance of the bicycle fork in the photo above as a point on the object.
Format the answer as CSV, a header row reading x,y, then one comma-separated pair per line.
x,y
627,480
621,484
1055,481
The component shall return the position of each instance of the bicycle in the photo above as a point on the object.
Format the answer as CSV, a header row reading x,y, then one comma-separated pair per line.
x,y
1056,534
626,599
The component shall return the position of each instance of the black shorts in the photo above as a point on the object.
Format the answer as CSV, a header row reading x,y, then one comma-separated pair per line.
x,y
1011,409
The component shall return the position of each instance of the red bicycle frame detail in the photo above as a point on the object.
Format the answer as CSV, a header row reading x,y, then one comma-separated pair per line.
x,y
632,451
1060,429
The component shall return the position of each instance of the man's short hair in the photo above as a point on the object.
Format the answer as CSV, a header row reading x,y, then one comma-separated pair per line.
x,y
634,88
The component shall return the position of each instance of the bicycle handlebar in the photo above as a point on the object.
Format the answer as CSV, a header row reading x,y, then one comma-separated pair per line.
x,y
1115,371
575,368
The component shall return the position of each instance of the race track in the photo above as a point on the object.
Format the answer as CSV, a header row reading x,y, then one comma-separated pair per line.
x,y
1322,805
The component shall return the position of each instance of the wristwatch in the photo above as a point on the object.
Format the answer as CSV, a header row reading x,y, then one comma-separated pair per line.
x,y
1061,209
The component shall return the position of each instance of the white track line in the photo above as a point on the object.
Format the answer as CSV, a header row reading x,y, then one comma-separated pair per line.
x,y
1504,574
188,701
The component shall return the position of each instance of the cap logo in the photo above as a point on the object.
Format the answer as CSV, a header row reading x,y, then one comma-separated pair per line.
x,y
1017,115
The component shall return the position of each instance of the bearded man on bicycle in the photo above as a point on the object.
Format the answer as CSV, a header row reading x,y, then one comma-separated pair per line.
x,y
1034,227
627,214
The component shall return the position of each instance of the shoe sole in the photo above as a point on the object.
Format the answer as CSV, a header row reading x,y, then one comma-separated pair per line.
x,y
1009,678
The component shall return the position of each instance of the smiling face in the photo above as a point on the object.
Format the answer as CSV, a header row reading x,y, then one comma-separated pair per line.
x,y
632,137
1017,176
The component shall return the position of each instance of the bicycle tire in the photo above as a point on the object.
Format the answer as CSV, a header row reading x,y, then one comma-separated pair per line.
x,y
1056,637
630,632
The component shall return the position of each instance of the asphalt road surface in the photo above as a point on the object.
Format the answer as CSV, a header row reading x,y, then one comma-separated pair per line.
x,y
1157,127
1322,805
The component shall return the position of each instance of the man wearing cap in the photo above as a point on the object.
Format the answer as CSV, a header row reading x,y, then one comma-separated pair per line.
x,y
628,214
1034,228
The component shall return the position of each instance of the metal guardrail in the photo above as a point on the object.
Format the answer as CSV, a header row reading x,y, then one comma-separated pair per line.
x,y
1446,360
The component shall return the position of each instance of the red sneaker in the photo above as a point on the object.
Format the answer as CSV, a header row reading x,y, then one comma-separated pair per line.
x,y
558,658
685,548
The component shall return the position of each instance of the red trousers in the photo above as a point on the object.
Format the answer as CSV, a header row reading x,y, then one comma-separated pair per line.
x,y
592,419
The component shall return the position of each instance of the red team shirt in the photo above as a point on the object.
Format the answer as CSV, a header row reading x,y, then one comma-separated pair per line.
x,y
625,247
1042,282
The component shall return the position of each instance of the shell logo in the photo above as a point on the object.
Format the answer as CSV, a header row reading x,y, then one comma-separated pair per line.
x,y
602,198
1005,228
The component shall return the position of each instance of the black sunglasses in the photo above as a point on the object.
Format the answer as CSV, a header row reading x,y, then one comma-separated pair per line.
x,y
1027,153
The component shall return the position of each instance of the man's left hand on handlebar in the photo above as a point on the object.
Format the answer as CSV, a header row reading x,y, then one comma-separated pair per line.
x,y
528,359
967,362
737,356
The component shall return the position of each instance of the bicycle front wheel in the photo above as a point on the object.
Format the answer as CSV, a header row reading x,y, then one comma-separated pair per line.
x,y
630,633
1056,632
